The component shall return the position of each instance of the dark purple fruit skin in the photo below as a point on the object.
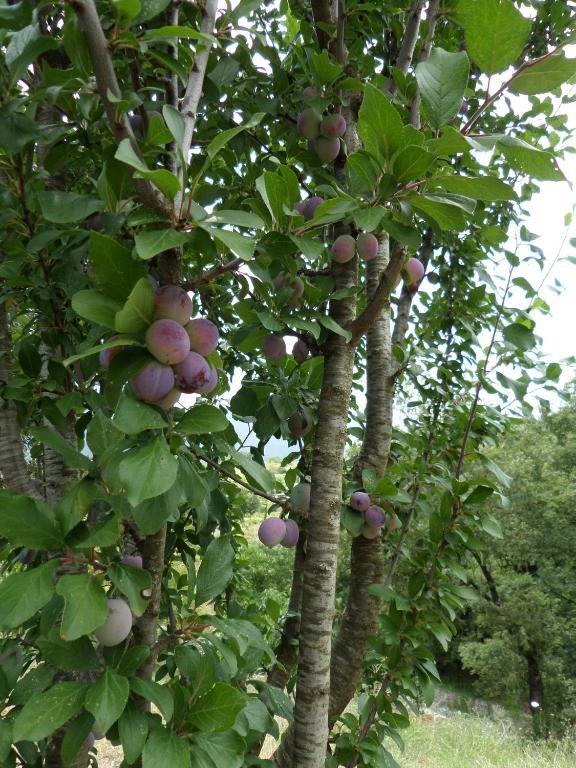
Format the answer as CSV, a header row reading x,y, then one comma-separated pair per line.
x,y
292,534
360,501
300,423
300,351
168,341
271,531
327,149
310,206
333,126
153,382
343,249
367,246
274,347
192,373
203,336
308,124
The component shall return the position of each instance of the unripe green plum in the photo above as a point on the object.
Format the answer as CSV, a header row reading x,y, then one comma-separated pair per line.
x,y
211,384
300,351
192,373
300,497
300,423
169,400
360,501
203,336
327,149
414,270
292,533
172,303
343,249
118,623
310,206
333,126
274,347
370,532
308,124
285,280
375,516
168,341
153,382
367,246
271,531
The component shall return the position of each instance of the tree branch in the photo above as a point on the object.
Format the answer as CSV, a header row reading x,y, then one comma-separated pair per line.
x,y
409,40
431,18
382,294
208,277
101,58
193,93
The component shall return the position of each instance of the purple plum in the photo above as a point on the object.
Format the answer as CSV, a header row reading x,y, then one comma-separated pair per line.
x,y
118,623
192,373
272,531
172,303
360,501
168,341
153,382
292,534
203,336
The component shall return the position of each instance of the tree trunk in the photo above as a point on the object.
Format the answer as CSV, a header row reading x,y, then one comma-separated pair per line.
x,y
535,693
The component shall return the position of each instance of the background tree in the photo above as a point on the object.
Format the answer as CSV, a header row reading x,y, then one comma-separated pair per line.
x,y
147,143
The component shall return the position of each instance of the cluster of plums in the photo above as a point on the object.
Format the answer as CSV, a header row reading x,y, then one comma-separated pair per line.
x,y
345,247
374,516
118,623
274,530
274,348
323,132
179,346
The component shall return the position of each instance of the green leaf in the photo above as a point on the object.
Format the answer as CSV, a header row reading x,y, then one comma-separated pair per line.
x,y
254,471
197,667
96,307
159,695
202,420
154,241
220,141
325,68
47,711
24,523
274,192
491,525
149,9
25,47
78,655
133,416
165,750
410,236
241,246
236,219
546,75
133,583
332,325
66,207
107,698
218,749
215,570
75,737
479,494
136,314
442,79
519,336
217,710
148,471
124,341
495,32
151,514
85,606
184,33
133,731
175,123
487,188
112,267
24,594
442,211
165,181
379,124
362,172
411,163
72,457
530,160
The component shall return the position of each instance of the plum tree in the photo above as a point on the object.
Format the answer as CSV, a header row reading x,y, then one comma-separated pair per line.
x,y
360,501
192,373
272,531
300,497
118,623
327,149
292,533
375,516
274,347
300,423
300,351
333,126
172,303
203,335
367,245
308,123
168,341
343,248
153,382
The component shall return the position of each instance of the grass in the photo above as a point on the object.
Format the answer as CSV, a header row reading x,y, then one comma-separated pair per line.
x,y
468,741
